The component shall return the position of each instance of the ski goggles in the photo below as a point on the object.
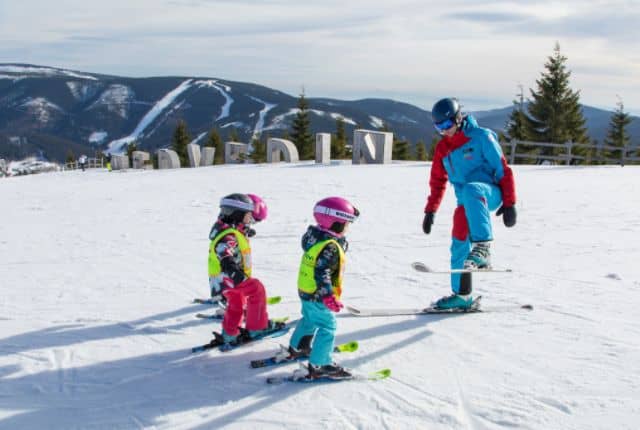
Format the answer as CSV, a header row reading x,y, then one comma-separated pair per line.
x,y
444,125
345,216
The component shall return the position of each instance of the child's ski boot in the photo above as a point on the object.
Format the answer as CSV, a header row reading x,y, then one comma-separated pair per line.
x,y
328,371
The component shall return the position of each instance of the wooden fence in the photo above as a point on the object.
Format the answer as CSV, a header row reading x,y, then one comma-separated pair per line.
x,y
595,153
92,163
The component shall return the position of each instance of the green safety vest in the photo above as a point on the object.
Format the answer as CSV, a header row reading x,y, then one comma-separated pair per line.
x,y
245,250
306,278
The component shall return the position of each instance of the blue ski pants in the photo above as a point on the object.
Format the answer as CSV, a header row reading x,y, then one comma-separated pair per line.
x,y
320,322
471,222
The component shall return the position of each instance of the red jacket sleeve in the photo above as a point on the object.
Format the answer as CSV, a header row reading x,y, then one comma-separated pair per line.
x,y
437,180
507,185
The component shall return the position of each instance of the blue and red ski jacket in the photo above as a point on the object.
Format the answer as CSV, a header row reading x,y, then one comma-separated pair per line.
x,y
471,155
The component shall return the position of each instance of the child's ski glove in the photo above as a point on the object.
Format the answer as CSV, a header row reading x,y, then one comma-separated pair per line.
x,y
508,215
333,304
428,222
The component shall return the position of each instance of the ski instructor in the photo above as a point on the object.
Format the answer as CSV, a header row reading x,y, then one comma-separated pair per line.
x,y
469,157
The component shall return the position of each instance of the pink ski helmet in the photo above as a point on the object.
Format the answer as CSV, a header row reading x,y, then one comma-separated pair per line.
x,y
332,210
259,208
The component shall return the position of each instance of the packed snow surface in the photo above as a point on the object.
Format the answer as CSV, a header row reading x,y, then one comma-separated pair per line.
x,y
98,271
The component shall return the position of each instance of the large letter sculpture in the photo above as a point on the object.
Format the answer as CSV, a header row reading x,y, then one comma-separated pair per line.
x,y
276,147
139,158
323,148
372,147
168,159
208,154
193,152
233,152
119,162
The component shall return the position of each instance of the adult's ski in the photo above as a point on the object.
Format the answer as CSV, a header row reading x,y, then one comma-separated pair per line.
x,y
475,307
300,376
283,357
423,268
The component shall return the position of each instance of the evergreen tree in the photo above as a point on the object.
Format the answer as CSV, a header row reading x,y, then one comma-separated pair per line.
x,y
214,140
339,141
71,158
131,147
180,141
421,151
232,135
432,149
555,114
400,149
259,154
516,127
300,130
617,135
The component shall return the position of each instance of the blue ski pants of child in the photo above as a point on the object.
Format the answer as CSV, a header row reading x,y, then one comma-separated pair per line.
x,y
320,322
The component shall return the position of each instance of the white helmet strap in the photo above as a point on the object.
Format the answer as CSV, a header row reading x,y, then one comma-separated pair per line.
x,y
336,213
237,204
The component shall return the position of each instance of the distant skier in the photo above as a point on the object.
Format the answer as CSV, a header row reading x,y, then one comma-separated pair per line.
x,y
83,162
109,161
230,268
471,159
320,286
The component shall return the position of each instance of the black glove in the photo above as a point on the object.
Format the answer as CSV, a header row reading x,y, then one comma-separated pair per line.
x,y
508,215
251,232
428,222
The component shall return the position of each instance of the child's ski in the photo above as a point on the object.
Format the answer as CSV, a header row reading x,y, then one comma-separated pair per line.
x,y
216,301
423,268
244,338
298,377
217,315
283,356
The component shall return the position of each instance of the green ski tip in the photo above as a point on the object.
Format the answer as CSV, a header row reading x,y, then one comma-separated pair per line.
x,y
280,320
380,374
274,300
348,347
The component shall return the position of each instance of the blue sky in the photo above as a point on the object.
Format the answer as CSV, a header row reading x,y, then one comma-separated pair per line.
x,y
412,51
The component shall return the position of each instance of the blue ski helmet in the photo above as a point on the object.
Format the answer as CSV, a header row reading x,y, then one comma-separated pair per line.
x,y
445,110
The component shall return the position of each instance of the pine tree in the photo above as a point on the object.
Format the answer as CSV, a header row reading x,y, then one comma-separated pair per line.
x,y
131,147
214,140
555,114
421,151
300,130
617,135
70,158
232,135
339,141
400,149
180,141
516,127
259,154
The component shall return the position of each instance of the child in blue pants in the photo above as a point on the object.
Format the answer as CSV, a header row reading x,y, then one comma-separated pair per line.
x,y
320,286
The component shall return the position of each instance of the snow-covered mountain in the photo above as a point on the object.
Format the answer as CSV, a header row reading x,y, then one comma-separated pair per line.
x,y
98,271
54,111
